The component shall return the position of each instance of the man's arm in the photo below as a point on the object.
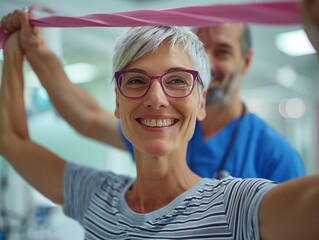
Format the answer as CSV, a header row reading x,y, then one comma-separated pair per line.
x,y
75,105
37,165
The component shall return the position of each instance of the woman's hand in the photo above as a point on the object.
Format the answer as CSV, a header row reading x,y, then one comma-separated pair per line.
x,y
30,37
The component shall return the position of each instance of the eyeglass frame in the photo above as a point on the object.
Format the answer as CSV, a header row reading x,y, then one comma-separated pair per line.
x,y
194,73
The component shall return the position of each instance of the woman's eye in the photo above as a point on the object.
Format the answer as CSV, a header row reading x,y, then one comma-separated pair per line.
x,y
177,81
135,81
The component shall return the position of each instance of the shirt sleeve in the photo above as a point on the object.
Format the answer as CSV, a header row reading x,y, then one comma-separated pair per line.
x,y
79,184
242,201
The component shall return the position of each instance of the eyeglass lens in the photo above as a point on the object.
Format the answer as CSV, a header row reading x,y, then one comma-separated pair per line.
x,y
174,84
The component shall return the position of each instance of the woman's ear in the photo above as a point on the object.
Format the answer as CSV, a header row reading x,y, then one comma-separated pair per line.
x,y
117,108
202,107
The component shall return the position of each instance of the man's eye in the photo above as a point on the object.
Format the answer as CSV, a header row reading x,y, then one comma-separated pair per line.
x,y
222,53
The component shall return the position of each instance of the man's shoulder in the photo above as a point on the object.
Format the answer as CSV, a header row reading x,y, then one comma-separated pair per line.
x,y
270,139
265,130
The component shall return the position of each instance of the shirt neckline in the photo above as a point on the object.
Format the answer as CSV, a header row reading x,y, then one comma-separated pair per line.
x,y
127,212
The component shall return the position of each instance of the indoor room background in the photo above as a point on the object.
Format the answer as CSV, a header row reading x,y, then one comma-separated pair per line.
x,y
282,87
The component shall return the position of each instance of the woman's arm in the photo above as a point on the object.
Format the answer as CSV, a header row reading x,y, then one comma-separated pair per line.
x,y
291,210
310,16
38,166
73,103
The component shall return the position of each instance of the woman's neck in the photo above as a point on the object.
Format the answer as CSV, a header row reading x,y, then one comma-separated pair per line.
x,y
159,181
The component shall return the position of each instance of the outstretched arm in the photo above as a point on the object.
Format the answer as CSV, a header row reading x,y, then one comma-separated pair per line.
x,y
291,211
38,166
310,17
74,104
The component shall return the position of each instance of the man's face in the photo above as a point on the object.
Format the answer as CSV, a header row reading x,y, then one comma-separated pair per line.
x,y
224,49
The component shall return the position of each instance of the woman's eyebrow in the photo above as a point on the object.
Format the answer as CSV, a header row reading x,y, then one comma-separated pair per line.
x,y
136,69
176,69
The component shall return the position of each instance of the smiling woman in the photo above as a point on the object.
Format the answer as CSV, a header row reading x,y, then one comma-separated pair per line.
x,y
166,96
166,199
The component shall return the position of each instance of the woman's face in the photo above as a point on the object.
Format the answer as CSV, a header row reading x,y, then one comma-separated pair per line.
x,y
156,124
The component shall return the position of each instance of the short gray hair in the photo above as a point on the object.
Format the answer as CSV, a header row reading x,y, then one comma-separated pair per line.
x,y
137,41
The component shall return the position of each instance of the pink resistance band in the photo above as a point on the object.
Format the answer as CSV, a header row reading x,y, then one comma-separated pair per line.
x,y
271,13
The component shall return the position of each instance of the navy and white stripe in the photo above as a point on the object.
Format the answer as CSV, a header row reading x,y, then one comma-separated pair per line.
x,y
212,209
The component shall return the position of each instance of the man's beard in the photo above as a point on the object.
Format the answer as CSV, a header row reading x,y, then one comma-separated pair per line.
x,y
215,95
221,93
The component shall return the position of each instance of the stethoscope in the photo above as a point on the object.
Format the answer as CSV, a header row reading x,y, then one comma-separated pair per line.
x,y
221,173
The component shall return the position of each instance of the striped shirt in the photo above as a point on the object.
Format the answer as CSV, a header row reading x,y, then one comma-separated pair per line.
x,y
212,209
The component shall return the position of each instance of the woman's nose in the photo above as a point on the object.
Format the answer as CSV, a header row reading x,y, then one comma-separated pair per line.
x,y
155,97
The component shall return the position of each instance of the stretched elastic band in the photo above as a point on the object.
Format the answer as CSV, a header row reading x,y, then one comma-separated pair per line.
x,y
269,13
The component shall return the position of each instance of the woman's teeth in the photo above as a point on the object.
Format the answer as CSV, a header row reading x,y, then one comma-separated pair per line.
x,y
157,122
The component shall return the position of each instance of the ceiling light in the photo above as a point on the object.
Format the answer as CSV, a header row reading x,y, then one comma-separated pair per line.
x,y
294,43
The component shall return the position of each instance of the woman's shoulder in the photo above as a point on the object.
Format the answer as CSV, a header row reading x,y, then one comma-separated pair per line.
x,y
237,186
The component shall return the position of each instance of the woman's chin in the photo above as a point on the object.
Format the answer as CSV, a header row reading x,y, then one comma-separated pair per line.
x,y
158,149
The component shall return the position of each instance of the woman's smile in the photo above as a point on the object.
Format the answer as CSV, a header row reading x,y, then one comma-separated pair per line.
x,y
157,123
